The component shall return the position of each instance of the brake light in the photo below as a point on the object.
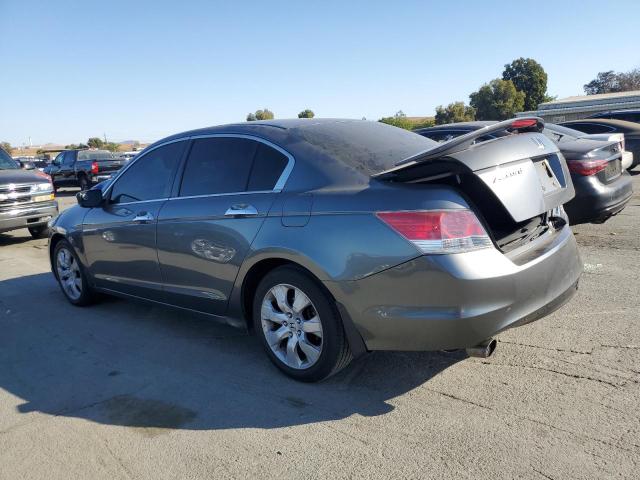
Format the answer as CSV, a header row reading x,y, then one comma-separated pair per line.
x,y
586,167
524,123
94,168
439,231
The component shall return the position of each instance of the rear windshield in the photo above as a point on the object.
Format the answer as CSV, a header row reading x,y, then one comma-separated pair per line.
x,y
368,147
96,155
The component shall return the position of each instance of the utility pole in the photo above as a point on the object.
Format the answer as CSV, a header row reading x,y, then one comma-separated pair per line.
x,y
105,137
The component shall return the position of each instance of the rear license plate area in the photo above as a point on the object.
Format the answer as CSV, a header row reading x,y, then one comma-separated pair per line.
x,y
548,180
613,169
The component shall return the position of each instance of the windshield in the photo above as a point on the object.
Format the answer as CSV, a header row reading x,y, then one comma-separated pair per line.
x,y
6,162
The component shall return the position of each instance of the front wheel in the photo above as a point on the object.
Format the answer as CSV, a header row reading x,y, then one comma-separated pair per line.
x,y
299,325
70,275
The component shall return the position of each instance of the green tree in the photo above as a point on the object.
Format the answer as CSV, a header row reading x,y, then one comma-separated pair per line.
x,y
111,146
605,82
95,142
265,114
497,100
306,114
398,120
529,77
454,112
6,146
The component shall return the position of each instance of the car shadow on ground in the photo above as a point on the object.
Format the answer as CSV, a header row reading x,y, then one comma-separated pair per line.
x,y
151,368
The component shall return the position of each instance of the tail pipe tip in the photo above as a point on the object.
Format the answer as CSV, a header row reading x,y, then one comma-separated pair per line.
x,y
482,350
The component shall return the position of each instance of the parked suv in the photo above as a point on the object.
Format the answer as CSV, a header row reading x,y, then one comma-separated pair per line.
x,y
26,198
83,168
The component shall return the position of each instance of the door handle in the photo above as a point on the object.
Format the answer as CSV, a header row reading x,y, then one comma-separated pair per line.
x,y
241,210
143,217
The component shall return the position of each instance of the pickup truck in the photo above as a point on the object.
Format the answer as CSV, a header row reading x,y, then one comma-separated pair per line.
x,y
83,168
26,198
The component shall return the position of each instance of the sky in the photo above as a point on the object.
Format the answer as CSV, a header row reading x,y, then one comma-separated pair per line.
x,y
141,70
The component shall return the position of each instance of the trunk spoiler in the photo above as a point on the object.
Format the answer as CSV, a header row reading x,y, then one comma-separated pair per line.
x,y
515,125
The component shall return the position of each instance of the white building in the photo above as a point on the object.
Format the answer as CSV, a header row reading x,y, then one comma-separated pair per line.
x,y
575,108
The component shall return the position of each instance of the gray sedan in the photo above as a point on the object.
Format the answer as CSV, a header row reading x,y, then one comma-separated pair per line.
x,y
331,238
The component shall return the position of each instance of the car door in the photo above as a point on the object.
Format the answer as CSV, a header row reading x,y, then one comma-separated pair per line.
x,y
120,237
227,187
54,168
66,173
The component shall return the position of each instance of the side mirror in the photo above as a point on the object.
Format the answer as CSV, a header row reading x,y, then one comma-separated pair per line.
x,y
89,198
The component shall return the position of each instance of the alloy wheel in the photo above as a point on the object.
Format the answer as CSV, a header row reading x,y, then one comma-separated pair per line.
x,y
292,326
69,274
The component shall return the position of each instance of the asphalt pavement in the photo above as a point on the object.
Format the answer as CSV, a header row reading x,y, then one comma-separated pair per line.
x,y
122,390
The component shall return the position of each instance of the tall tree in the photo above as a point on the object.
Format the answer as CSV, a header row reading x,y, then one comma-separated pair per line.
x,y
605,82
95,142
497,100
265,114
529,77
454,112
398,120
629,80
306,114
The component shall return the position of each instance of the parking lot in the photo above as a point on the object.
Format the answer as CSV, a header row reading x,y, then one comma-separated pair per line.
x,y
124,390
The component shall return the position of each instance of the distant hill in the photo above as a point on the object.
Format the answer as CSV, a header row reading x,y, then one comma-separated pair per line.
x,y
129,142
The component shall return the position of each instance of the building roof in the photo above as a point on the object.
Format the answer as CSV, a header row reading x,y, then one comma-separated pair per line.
x,y
592,98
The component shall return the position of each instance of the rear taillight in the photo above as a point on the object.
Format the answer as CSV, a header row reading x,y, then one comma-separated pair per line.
x,y
439,231
622,144
524,123
94,168
586,167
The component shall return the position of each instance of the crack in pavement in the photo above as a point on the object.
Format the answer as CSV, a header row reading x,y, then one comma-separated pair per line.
x,y
547,348
570,375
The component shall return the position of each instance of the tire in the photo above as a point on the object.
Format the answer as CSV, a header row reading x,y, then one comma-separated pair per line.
x,y
79,291
84,183
40,231
309,343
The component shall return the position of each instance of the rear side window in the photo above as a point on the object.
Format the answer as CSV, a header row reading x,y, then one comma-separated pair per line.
x,y
268,165
150,177
218,165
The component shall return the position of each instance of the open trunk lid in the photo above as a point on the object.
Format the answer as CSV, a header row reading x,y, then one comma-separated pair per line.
x,y
525,172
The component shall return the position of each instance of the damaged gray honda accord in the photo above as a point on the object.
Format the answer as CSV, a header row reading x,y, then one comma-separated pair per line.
x,y
331,238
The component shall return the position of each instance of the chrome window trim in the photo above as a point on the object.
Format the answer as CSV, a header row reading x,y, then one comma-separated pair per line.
x,y
284,176
142,201
280,183
206,195
136,159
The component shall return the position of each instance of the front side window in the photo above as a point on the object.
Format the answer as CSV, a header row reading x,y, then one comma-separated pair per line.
x,y
68,158
150,177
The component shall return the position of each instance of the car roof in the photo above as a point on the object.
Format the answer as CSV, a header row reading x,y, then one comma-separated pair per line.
x,y
606,121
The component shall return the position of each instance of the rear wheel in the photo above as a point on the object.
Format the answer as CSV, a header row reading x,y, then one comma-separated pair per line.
x,y
70,275
299,325
40,231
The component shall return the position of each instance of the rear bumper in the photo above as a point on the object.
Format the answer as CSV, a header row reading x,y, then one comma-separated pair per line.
x,y
456,301
27,216
595,201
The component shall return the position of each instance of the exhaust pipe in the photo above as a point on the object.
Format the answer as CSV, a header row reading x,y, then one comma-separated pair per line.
x,y
483,350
